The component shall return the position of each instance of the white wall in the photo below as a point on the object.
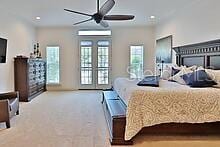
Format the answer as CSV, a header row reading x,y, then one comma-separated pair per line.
x,y
65,37
196,23
21,37
122,37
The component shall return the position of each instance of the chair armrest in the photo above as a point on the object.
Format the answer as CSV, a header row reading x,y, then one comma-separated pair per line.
x,y
4,110
9,95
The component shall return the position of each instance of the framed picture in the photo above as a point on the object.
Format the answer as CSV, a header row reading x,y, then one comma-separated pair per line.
x,y
164,50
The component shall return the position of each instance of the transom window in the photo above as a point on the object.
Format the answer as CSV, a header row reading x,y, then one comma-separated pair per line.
x,y
95,33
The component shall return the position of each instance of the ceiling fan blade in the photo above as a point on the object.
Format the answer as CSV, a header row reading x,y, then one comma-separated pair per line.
x,y
83,21
118,17
77,12
108,5
104,24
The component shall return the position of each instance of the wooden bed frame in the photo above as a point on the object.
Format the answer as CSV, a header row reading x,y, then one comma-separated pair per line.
x,y
205,54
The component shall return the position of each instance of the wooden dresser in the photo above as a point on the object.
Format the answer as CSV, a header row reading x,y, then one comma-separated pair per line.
x,y
29,77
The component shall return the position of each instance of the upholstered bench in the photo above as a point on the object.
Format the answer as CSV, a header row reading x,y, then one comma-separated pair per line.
x,y
115,114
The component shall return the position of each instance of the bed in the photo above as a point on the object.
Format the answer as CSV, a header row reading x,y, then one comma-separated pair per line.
x,y
169,109
169,103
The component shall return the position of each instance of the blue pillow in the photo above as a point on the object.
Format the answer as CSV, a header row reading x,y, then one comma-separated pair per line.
x,y
152,81
198,79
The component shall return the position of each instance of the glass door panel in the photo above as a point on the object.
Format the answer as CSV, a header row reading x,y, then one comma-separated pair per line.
x,y
86,64
103,63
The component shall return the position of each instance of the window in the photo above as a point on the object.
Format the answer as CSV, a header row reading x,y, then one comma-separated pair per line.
x,y
136,61
94,33
53,65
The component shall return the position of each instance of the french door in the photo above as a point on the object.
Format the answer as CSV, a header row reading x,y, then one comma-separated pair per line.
x,y
95,63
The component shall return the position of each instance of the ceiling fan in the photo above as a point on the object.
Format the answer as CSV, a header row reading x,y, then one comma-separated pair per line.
x,y
101,16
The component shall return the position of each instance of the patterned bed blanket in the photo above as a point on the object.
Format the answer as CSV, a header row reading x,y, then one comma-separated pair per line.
x,y
149,106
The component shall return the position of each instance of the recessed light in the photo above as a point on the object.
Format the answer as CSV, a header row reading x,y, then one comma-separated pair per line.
x,y
152,17
38,17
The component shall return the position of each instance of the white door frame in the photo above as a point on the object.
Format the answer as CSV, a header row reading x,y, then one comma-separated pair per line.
x,y
95,40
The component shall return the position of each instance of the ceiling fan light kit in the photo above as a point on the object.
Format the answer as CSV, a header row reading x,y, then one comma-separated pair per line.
x,y
101,17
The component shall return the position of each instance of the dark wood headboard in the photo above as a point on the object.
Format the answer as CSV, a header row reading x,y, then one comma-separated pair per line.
x,y
206,54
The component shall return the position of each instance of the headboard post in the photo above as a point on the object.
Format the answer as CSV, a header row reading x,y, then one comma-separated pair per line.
x,y
208,61
178,56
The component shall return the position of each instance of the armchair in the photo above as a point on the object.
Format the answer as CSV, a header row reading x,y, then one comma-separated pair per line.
x,y
9,107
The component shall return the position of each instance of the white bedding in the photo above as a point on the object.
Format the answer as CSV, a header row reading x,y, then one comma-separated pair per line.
x,y
171,102
124,87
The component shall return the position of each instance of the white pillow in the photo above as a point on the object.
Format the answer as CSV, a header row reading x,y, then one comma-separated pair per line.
x,y
214,75
194,67
200,68
177,77
166,74
167,71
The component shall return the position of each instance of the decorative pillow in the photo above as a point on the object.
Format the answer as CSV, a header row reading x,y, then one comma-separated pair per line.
x,y
200,68
169,70
177,77
193,68
175,70
214,75
152,81
199,78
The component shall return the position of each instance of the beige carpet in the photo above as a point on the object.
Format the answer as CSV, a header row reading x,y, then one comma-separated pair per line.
x,y
76,119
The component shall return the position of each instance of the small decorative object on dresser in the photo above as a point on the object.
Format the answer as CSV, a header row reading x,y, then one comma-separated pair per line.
x,y
30,77
37,52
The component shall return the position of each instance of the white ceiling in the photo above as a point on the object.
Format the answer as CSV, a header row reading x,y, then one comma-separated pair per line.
x,y
52,13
